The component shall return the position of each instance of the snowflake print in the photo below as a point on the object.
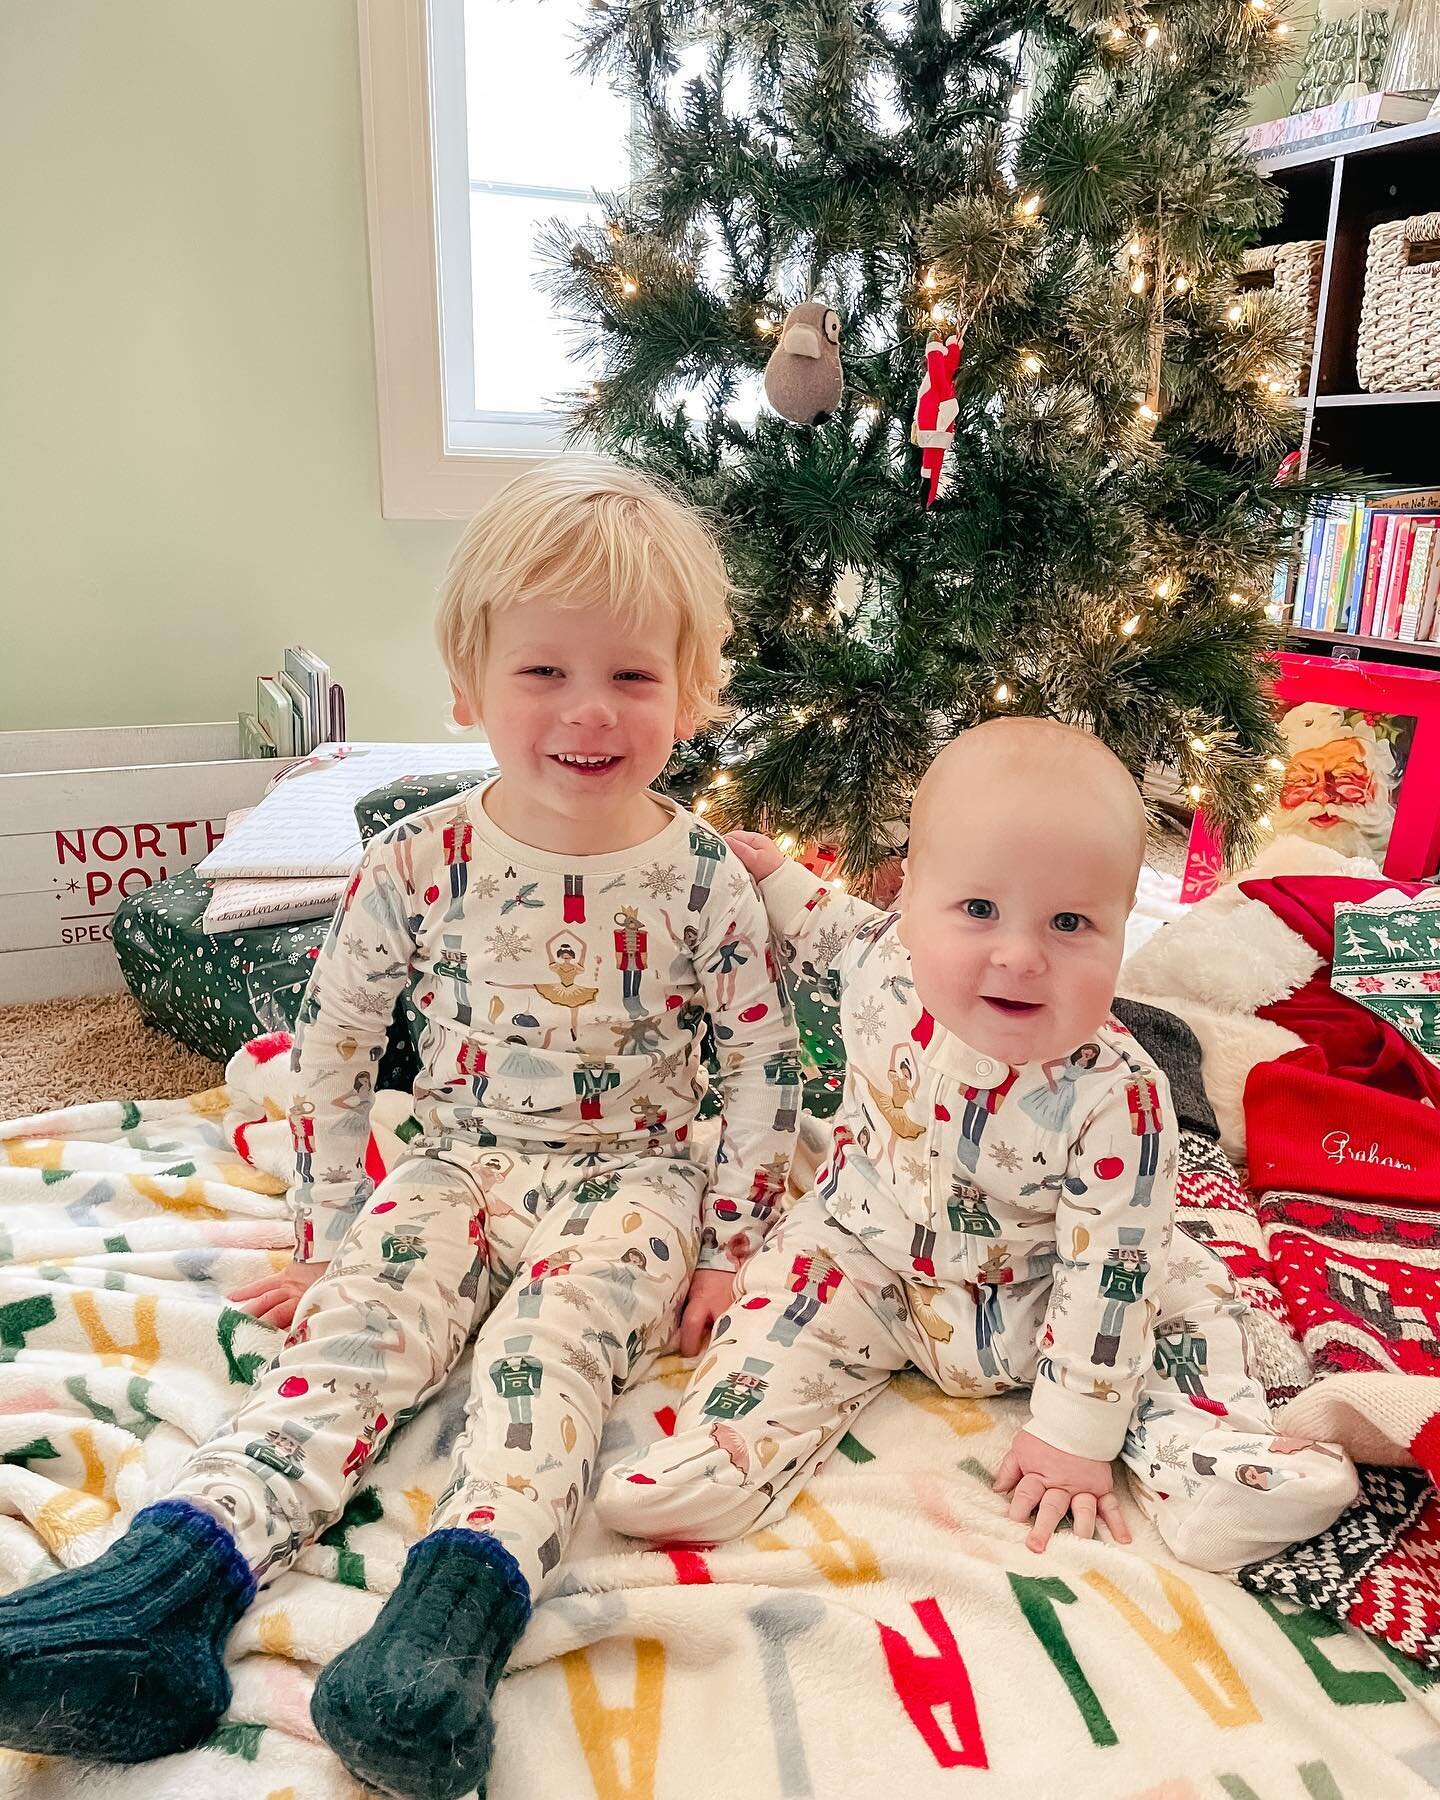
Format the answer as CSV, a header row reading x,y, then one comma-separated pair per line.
x,y
890,948
1005,1156
740,883
961,1383
484,887
1060,1297
507,943
869,1021
572,1295
828,945
828,1336
815,1390
1406,918
336,1174
353,945
661,881
1187,1268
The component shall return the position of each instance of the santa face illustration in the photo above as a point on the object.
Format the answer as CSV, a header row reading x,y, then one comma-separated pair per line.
x,y
1340,780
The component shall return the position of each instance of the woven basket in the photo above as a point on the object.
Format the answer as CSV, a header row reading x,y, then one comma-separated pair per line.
x,y
1399,343
1292,271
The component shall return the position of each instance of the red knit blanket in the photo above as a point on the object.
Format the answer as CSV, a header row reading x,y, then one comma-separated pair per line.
x,y
1361,1284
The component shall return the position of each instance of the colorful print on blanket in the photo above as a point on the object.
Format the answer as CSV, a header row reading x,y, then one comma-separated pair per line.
x,y
892,1632
1361,1284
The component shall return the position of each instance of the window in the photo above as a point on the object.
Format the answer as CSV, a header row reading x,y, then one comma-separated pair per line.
x,y
477,129
520,137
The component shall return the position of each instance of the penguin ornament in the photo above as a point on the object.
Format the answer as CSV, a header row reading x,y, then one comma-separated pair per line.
x,y
803,378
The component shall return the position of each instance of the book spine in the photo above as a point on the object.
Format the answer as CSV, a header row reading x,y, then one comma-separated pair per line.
x,y
1302,573
1374,562
1415,584
1360,538
1316,621
1338,570
1399,572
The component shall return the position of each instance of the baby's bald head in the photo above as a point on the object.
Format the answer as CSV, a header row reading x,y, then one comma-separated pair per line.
x,y
1030,769
1026,839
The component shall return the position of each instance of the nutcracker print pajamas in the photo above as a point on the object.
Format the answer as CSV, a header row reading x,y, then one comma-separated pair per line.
x,y
553,1189
997,1228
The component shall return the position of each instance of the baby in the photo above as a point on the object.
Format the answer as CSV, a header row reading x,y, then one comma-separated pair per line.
x,y
565,932
999,1199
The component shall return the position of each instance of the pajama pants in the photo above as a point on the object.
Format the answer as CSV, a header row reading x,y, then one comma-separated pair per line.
x,y
819,1325
577,1265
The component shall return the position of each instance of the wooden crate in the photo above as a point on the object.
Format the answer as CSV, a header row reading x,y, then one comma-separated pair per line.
x,y
87,817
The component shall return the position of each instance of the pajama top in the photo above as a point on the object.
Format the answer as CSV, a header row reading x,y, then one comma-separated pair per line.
x,y
953,1167
565,999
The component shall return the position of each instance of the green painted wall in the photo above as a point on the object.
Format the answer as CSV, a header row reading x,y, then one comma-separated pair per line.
x,y
189,470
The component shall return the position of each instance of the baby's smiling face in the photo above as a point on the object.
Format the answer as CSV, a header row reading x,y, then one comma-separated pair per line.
x,y
1025,845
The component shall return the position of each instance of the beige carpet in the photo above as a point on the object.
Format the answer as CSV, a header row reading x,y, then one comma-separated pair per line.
x,y
62,1052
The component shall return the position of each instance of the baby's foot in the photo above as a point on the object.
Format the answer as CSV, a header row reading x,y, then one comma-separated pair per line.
x,y
124,1660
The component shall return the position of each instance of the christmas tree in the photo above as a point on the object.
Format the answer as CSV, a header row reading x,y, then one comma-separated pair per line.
x,y
1039,207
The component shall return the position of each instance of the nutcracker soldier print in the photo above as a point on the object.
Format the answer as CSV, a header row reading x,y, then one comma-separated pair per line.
x,y
1121,1280
452,966
517,1378
573,905
632,951
813,1279
707,849
740,1392
1146,1124
456,839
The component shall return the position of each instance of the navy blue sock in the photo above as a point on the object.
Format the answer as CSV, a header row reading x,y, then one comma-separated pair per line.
x,y
407,1707
124,1660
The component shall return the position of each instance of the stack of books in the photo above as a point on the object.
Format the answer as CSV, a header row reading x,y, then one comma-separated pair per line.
x,y
295,709
1372,569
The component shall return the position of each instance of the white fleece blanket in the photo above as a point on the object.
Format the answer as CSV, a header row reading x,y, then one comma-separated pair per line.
x,y
892,1637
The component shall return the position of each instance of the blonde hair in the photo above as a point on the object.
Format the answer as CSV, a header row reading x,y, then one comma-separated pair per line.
x,y
585,532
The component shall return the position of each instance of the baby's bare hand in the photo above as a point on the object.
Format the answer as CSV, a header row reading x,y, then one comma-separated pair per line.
x,y
1050,1483
273,1298
756,851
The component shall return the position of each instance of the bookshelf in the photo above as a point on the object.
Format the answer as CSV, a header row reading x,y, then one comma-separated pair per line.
x,y
1340,192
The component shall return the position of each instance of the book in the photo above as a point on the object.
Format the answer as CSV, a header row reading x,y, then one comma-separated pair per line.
x,y
253,741
1364,522
1331,534
1339,568
305,824
312,678
1312,566
1374,562
1399,574
1425,631
304,741
276,714
1329,124
1302,572
1423,546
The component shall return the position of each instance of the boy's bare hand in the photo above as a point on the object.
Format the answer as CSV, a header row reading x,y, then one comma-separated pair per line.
x,y
711,1291
273,1298
1051,1483
756,851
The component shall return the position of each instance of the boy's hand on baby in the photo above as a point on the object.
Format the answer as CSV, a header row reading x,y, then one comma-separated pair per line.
x,y
273,1298
1050,1483
756,851
711,1291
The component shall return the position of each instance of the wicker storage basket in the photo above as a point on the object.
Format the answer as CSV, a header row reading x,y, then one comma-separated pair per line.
x,y
1399,343
1292,271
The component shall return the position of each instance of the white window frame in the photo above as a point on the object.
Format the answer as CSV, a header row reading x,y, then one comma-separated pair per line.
x,y
423,475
